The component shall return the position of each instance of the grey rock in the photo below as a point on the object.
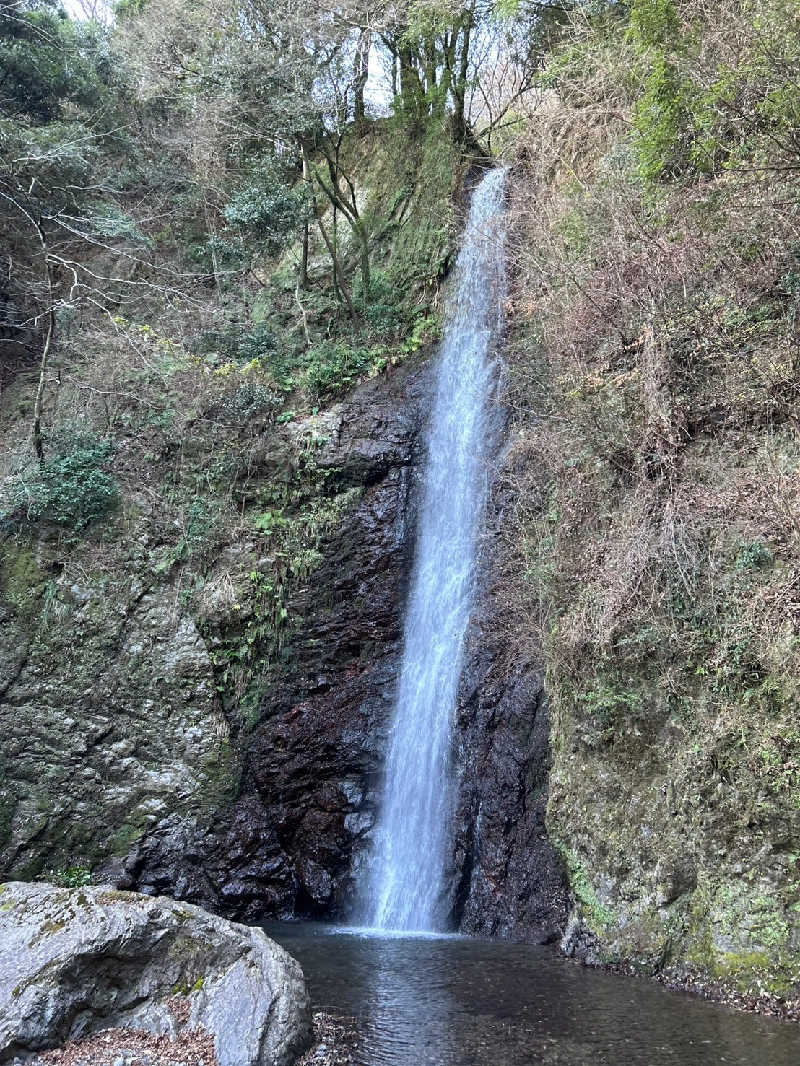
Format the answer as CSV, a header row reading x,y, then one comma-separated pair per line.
x,y
79,960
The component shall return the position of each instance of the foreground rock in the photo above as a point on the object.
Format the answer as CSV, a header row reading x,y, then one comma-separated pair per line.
x,y
78,960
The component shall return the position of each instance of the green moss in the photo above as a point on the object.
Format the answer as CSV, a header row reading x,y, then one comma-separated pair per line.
x,y
600,917
21,579
185,987
8,806
118,896
412,211
186,949
222,777
48,928
751,971
126,836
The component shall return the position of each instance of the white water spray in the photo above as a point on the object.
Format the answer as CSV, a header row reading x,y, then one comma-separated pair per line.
x,y
407,890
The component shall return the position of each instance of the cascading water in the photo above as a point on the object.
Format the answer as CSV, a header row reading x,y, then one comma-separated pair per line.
x,y
406,888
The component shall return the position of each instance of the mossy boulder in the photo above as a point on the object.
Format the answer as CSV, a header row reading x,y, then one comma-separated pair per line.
x,y
79,960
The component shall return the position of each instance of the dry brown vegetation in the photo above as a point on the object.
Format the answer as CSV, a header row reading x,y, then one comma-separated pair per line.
x,y
656,466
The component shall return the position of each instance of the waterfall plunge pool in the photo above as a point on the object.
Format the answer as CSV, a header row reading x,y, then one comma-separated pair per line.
x,y
455,1001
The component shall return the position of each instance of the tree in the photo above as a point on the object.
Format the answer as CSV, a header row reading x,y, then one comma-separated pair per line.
x,y
64,109
44,162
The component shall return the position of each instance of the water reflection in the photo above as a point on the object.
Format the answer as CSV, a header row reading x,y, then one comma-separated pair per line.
x,y
460,1002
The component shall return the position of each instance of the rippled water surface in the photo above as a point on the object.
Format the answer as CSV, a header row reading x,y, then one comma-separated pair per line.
x,y
460,1002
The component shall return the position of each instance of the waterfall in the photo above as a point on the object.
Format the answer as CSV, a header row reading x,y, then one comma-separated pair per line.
x,y
406,890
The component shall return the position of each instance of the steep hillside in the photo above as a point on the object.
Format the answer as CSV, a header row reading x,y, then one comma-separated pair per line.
x,y
655,471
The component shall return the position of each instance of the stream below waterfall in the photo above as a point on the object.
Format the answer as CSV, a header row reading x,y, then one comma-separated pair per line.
x,y
454,1001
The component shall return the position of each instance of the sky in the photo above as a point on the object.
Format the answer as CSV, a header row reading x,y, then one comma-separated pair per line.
x,y
79,9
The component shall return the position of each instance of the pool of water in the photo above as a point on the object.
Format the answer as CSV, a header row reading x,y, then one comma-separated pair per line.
x,y
454,1001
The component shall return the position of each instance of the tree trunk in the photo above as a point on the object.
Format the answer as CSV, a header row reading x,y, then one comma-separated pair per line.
x,y
363,239
459,86
49,340
411,91
350,211
361,72
303,279
339,284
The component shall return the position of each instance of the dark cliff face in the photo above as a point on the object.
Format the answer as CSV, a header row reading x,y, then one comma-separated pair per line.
x,y
311,765
508,879
296,841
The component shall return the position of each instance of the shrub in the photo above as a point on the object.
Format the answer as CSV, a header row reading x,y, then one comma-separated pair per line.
x,y
267,209
334,366
654,23
249,399
74,876
754,555
384,307
72,489
661,121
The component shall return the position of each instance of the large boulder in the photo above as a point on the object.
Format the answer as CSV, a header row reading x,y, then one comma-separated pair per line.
x,y
77,960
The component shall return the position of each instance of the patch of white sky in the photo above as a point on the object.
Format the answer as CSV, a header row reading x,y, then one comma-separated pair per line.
x,y
88,9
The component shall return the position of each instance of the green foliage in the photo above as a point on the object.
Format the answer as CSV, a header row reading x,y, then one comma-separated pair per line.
x,y
576,230
201,517
251,398
608,702
45,157
267,209
77,875
699,112
334,366
269,522
231,343
291,535
49,63
72,489
110,221
661,122
383,306
33,77
755,555
129,8
654,24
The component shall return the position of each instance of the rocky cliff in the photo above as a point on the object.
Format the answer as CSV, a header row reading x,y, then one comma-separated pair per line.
x,y
290,843
268,816
202,606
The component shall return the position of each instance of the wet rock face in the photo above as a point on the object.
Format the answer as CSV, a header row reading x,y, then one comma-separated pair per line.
x,y
297,840
156,789
510,878
311,766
